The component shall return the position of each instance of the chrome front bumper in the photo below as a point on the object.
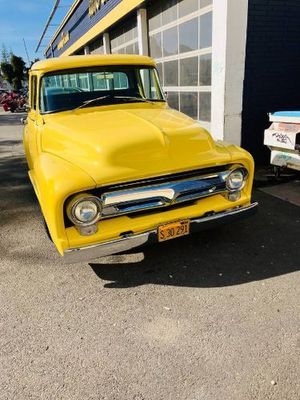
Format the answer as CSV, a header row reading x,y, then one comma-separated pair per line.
x,y
129,242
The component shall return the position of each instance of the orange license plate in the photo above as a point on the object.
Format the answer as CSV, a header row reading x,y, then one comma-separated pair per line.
x,y
173,230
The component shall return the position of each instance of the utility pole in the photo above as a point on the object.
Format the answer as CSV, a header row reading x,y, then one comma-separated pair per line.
x,y
26,52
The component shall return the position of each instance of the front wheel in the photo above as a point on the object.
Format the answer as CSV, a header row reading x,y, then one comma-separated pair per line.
x,y
277,171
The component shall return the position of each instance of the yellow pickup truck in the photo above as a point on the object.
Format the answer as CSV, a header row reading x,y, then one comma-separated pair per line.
x,y
114,167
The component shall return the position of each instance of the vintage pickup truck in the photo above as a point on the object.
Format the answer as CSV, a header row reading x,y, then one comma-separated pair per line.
x,y
114,167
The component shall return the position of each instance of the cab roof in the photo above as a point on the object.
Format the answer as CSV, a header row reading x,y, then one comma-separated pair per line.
x,y
61,63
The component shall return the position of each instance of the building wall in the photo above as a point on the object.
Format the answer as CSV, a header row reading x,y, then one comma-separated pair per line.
x,y
272,72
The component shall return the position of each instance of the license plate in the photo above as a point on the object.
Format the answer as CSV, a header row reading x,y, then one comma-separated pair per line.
x,y
173,230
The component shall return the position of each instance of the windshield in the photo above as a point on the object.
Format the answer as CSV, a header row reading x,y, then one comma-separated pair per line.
x,y
79,88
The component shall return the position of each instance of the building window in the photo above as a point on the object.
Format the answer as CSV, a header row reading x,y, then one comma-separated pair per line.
x,y
188,36
189,103
173,99
187,7
205,106
205,30
96,46
124,39
171,73
180,39
169,12
154,15
156,45
160,71
205,3
170,42
205,70
189,71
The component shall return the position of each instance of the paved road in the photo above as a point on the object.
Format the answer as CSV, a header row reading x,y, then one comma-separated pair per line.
x,y
209,317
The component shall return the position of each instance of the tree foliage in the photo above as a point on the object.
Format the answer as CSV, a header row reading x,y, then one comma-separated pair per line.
x,y
18,66
7,71
5,55
13,69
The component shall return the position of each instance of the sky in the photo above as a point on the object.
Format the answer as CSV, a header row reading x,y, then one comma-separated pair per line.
x,y
26,19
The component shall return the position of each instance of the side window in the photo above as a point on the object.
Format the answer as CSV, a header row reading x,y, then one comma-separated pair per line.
x,y
149,81
33,92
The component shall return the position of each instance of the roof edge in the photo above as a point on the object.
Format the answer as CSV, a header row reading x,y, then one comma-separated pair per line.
x,y
59,63
63,23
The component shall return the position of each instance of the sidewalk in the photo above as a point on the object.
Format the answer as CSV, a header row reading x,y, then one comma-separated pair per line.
x,y
11,134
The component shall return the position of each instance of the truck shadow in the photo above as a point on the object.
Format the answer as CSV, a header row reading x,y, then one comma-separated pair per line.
x,y
263,246
14,181
16,196
13,174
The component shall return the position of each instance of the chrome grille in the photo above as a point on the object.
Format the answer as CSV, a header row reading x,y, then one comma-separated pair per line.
x,y
167,193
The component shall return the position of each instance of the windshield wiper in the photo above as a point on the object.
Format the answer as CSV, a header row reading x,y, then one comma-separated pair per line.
x,y
135,98
56,110
143,99
87,102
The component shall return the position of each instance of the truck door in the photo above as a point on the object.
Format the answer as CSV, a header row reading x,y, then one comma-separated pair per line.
x,y
30,131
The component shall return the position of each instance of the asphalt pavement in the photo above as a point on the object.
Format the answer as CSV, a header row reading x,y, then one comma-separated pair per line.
x,y
213,316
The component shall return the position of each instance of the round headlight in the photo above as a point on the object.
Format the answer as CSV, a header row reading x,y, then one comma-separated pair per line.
x,y
236,179
84,211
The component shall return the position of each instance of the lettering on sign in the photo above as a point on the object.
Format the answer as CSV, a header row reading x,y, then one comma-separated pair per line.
x,y
282,137
65,37
95,5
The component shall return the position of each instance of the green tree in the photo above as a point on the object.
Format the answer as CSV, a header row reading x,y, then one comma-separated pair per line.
x,y
13,69
18,66
7,71
5,55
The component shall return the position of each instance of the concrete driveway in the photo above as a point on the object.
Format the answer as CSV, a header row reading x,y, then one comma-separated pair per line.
x,y
208,317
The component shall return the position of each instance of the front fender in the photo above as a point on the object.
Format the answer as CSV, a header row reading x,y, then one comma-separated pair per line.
x,y
54,180
239,155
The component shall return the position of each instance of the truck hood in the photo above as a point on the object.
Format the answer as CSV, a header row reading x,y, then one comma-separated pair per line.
x,y
130,143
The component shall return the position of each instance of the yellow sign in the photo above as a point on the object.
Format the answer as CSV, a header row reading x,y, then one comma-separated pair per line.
x,y
95,5
65,37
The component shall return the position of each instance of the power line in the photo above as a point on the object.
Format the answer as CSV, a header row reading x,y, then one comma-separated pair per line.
x,y
48,23
26,51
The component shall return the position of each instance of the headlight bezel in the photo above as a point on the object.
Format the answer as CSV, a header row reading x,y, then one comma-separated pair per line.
x,y
75,202
244,173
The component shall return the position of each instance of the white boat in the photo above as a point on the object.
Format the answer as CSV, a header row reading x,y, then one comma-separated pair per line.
x,y
283,139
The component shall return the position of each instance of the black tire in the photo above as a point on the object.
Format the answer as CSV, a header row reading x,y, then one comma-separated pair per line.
x,y
277,172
